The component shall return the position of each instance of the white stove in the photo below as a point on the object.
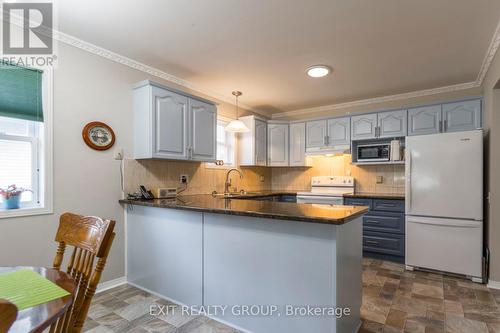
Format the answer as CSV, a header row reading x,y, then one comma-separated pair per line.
x,y
328,190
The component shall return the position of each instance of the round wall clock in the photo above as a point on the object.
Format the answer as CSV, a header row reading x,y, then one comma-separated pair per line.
x,y
98,136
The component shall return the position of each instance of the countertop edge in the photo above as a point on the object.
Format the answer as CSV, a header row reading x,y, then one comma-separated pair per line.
x,y
317,220
387,196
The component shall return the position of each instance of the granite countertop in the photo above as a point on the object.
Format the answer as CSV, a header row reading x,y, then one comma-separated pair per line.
x,y
264,193
369,195
313,213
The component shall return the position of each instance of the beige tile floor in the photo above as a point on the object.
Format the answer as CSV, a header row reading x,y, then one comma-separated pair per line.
x,y
394,300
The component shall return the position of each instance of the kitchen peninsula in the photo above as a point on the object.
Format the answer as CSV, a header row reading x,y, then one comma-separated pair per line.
x,y
212,251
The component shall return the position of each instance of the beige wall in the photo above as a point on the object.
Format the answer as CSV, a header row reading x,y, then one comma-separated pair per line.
x,y
492,126
86,88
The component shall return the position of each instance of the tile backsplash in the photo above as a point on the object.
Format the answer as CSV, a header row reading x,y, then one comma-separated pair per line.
x,y
203,179
297,179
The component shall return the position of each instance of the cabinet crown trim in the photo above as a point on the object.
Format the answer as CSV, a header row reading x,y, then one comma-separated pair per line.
x,y
177,91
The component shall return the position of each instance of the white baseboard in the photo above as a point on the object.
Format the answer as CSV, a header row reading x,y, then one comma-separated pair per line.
x,y
493,284
111,284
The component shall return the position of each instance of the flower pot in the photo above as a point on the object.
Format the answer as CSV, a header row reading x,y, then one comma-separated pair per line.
x,y
14,202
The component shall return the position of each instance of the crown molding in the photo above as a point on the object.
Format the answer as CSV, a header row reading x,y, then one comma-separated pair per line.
x,y
123,60
377,100
490,54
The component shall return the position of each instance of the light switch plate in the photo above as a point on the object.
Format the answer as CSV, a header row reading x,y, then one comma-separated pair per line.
x,y
380,179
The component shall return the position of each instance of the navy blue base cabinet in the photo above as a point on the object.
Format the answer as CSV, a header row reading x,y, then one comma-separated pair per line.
x,y
383,228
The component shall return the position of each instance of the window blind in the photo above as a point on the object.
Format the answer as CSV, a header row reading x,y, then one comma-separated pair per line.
x,y
20,92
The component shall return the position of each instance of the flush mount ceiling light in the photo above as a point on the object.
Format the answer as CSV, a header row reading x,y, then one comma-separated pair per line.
x,y
237,126
318,71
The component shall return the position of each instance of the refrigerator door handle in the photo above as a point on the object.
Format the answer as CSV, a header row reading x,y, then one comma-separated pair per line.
x,y
408,183
461,224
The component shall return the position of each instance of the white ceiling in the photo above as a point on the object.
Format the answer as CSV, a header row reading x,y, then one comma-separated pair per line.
x,y
262,47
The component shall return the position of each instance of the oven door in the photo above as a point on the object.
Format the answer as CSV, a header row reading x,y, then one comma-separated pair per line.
x,y
320,199
374,153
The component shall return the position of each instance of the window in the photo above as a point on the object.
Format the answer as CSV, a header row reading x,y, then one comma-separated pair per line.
x,y
25,139
19,161
226,146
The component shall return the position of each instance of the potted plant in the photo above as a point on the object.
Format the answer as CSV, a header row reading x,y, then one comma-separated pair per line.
x,y
12,196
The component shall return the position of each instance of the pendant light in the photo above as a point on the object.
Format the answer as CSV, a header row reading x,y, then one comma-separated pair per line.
x,y
237,126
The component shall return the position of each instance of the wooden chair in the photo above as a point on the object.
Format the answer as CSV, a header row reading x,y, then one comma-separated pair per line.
x,y
8,315
91,237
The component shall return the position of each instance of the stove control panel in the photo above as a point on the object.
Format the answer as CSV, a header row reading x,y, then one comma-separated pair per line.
x,y
346,181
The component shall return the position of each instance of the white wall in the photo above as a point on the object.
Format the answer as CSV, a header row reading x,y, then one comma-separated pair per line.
x,y
86,88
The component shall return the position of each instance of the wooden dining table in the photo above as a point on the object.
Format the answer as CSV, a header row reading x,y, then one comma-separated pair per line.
x,y
38,318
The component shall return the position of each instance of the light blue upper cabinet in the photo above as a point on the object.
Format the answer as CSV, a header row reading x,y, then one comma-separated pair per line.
x,y
462,116
364,126
204,130
392,124
297,144
277,149
252,145
170,124
339,131
260,142
316,134
424,120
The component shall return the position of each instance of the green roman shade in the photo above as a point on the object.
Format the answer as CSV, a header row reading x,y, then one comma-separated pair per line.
x,y
20,92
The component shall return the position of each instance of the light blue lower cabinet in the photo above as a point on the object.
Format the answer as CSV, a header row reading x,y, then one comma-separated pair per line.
x,y
266,273
164,253
272,262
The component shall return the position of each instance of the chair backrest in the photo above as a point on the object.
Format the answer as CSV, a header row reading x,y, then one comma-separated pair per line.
x,y
91,237
8,315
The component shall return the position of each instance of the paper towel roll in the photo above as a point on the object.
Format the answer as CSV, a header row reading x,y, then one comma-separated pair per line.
x,y
395,150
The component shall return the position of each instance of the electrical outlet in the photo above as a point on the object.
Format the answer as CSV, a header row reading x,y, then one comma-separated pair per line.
x,y
380,179
262,179
118,154
183,179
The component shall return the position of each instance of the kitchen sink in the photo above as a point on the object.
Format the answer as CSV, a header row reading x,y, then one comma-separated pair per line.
x,y
236,194
258,196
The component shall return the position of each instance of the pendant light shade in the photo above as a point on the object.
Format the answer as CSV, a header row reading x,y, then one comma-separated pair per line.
x,y
237,126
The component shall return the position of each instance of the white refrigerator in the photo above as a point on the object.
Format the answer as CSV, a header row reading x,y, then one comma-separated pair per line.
x,y
444,202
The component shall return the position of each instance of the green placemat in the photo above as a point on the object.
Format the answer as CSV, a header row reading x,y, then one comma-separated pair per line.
x,y
26,288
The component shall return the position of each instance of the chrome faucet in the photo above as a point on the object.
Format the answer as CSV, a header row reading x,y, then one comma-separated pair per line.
x,y
228,181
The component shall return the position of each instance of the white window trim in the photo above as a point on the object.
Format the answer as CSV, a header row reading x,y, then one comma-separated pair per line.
x,y
46,166
210,165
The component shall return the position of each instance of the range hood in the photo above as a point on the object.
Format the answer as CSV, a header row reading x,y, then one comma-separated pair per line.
x,y
329,150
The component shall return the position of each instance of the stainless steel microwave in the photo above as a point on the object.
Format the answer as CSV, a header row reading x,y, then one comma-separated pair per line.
x,y
377,152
